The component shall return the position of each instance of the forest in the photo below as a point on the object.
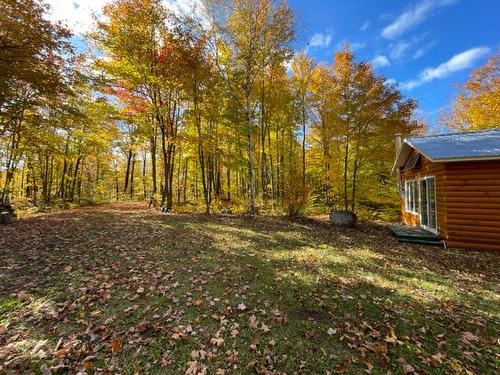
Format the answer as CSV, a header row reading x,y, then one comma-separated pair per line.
x,y
221,117
212,110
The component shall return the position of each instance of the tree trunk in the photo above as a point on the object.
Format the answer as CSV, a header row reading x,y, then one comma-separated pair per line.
x,y
179,178
75,176
144,175
153,163
184,194
132,177
127,171
303,145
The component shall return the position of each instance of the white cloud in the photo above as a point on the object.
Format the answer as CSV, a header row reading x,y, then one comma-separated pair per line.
x,y
357,45
412,17
78,14
354,46
321,40
390,81
398,50
365,26
423,50
458,62
380,61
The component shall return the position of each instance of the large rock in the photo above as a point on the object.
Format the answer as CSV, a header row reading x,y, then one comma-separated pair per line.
x,y
343,218
6,217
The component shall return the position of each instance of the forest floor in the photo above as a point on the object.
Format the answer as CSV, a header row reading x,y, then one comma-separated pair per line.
x,y
124,289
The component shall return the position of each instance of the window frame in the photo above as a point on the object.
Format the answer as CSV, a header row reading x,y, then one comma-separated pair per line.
x,y
412,196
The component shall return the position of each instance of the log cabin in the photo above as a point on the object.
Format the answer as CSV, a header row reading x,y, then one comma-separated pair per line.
x,y
450,185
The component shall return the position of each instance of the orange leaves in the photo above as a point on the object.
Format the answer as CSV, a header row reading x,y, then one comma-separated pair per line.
x,y
116,346
60,353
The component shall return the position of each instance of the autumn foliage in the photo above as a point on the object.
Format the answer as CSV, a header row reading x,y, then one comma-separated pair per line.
x,y
477,104
193,112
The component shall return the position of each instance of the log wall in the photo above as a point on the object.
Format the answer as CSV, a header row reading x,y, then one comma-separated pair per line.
x,y
468,201
472,192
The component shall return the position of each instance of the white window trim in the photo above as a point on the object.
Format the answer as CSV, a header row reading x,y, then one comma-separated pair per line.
x,y
426,227
417,201
416,197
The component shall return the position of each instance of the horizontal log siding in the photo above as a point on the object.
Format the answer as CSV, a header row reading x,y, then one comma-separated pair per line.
x,y
468,201
472,193
426,168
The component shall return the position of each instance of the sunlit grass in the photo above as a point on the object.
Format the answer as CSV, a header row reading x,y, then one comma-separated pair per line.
x,y
326,296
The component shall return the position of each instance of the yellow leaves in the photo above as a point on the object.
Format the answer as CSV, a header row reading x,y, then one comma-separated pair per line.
x,y
457,367
476,107
302,70
379,348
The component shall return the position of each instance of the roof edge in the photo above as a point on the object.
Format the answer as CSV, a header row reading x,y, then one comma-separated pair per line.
x,y
494,130
478,158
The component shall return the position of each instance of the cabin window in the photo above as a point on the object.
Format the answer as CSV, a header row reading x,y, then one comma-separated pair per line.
x,y
411,196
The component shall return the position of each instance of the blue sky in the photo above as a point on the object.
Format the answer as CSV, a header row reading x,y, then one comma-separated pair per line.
x,y
427,46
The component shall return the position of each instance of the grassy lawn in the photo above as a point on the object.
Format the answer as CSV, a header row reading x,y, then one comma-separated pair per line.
x,y
122,289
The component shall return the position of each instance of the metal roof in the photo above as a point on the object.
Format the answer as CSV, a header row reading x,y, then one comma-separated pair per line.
x,y
480,145
472,145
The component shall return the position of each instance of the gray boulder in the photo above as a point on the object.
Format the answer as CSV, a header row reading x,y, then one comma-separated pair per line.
x,y
343,218
6,217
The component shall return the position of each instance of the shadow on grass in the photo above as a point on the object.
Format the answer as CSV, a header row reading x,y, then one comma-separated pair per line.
x,y
79,274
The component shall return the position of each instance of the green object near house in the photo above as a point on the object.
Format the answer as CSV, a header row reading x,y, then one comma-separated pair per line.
x,y
415,235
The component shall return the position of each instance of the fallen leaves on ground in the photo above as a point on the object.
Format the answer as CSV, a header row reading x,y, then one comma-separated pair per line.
x,y
124,289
